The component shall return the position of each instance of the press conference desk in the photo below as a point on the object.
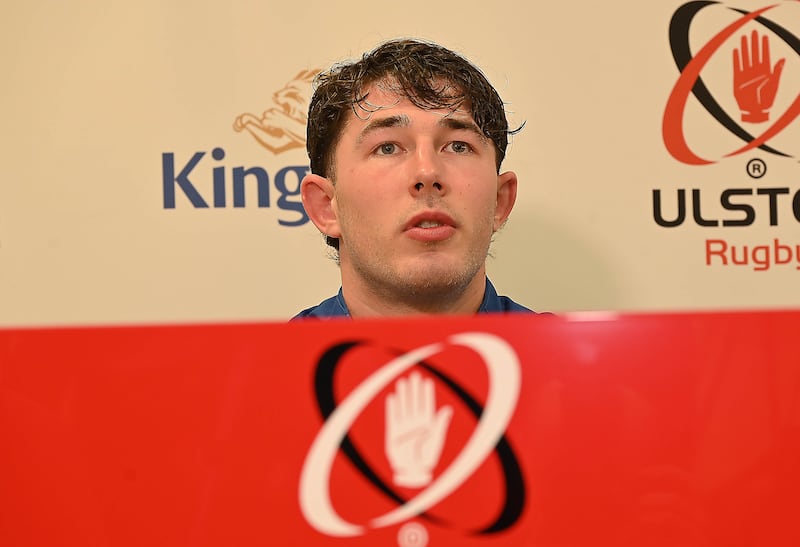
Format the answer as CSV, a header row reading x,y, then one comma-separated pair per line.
x,y
673,429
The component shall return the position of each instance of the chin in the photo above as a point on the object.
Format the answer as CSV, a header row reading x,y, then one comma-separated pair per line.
x,y
437,277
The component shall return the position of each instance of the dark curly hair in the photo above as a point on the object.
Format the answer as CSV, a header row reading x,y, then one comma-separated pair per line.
x,y
429,75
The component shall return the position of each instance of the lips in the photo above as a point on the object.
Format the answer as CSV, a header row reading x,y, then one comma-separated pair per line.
x,y
430,226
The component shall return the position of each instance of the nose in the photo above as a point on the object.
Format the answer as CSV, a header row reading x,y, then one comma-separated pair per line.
x,y
427,173
436,185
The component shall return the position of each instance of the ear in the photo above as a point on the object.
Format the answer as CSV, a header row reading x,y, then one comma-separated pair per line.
x,y
318,195
506,196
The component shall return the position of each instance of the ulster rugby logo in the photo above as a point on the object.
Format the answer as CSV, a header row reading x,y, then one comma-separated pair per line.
x,y
759,101
415,459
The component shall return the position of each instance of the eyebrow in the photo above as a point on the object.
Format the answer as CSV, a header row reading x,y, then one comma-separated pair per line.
x,y
463,124
401,120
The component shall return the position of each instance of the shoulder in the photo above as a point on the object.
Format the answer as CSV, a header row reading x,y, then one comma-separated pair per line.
x,y
510,306
330,307
494,303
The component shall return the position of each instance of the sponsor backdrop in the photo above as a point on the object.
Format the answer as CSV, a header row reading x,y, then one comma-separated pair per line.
x,y
152,153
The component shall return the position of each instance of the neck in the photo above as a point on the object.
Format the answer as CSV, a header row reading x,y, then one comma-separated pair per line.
x,y
366,301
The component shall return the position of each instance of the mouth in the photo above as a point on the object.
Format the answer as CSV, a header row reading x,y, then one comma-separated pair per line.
x,y
430,219
430,226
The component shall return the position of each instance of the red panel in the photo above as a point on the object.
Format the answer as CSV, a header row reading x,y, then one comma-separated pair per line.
x,y
631,430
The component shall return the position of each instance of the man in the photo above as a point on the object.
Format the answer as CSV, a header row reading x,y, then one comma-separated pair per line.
x,y
405,147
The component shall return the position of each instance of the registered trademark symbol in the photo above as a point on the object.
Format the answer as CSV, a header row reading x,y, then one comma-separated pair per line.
x,y
412,535
756,168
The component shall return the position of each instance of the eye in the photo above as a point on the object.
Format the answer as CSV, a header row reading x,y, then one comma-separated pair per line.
x,y
386,149
459,147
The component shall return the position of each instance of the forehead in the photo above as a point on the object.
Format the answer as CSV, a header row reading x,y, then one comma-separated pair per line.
x,y
385,98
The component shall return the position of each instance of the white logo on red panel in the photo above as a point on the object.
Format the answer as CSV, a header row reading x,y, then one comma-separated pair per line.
x,y
415,432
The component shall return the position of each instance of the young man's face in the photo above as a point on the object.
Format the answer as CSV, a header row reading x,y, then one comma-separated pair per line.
x,y
416,199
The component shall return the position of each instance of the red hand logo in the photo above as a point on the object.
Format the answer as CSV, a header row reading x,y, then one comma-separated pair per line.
x,y
755,82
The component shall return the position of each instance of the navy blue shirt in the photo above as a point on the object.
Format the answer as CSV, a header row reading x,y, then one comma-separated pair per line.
x,y
335,306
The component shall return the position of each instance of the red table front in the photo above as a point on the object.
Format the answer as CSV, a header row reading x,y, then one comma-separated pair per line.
x,y
679,429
